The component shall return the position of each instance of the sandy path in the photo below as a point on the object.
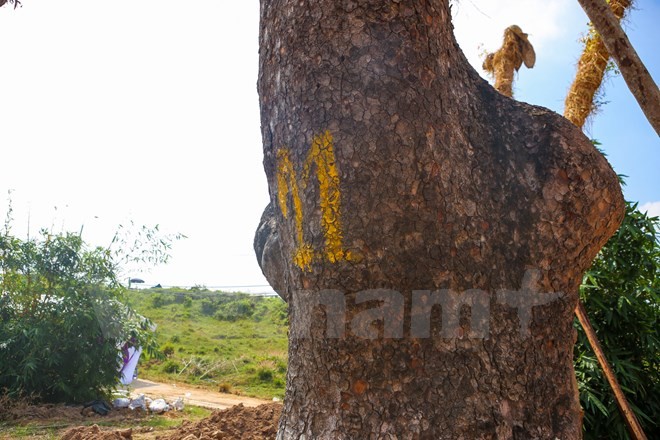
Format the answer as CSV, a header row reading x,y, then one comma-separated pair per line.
x,y
191,396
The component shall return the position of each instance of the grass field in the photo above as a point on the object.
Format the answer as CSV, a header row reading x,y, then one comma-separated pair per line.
x,y
229,342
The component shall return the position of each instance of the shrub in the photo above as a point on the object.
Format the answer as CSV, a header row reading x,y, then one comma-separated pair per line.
x,y
208,307
63,318
171,366
167,350
621,293
158,301
265,375
225,388
279,313
235,310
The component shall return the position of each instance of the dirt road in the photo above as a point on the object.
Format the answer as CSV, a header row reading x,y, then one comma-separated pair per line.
x,y
191,396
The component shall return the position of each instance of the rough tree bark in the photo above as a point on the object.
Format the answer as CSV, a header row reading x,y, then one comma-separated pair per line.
x,y
394,168
633,70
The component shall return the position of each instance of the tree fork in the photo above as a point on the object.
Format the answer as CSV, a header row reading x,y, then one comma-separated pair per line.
x,y
400,181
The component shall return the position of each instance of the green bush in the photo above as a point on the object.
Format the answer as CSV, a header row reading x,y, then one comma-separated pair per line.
x,y
62,318
167,350
279,312
235,310
621,293
171,367
265,375
208,307
158,301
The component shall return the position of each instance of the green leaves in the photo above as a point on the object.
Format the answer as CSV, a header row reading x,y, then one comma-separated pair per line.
x,y
63,319
620,292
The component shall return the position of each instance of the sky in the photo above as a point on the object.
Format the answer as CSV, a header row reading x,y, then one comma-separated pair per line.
x,y
147,111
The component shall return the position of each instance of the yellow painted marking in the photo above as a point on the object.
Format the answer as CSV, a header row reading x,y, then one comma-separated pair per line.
x,y
286,181
304,257
322,154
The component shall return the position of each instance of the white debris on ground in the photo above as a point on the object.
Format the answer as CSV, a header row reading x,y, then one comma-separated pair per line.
x,y
144,403
159,406
121,402
178,404
139,402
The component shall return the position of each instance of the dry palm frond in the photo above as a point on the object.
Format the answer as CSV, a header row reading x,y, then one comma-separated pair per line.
x,y
591,70
516,50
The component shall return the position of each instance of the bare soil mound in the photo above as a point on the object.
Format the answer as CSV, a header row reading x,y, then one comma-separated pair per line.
x,y
24,413
95,433
237,422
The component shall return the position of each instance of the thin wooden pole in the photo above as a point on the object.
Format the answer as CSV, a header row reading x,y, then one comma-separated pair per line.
x,y
632,423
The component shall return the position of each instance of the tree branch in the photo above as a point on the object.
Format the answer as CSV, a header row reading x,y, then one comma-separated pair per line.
x,y
632,68
632,423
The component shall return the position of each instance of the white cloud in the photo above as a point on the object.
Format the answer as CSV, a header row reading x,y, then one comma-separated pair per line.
x,y
652,208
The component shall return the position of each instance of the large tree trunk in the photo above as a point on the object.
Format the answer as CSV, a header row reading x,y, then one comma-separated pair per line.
x,y
633,70
393,170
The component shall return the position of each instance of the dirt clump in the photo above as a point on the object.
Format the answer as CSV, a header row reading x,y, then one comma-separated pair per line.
x,y
237,422
95,433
